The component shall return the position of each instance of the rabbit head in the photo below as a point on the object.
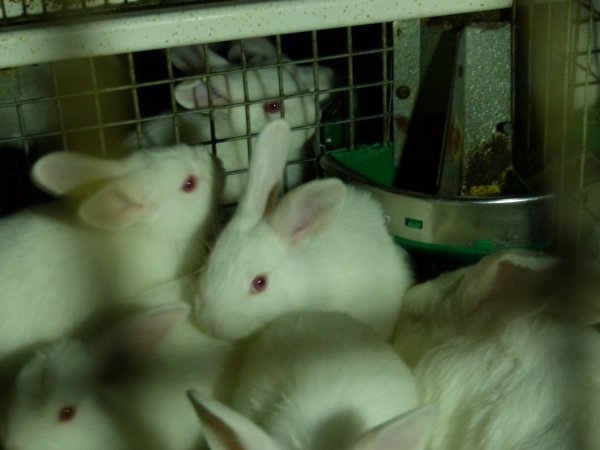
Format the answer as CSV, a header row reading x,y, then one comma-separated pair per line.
x,y
255,270
228,88
172,190
225,429
58,400
55,406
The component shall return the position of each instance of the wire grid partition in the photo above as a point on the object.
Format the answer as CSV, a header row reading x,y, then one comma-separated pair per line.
x,y
92,103
558,120
360,57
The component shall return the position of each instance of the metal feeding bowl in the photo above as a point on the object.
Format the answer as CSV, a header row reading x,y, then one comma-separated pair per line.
x,y
464,228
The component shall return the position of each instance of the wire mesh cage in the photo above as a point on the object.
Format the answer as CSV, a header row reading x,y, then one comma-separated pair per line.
x,y
112,105
557,102
393,85
476,125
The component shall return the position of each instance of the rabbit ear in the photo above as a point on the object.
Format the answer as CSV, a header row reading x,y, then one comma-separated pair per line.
x,y
306,76
258,51
116,207
265,174
136,337
226,429
409,431
309,210
190,59
61,172
50,366
193,94
512,283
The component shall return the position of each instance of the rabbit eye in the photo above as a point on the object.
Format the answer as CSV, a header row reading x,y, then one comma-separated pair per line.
x,y
272,107
259,283
66,414
190,184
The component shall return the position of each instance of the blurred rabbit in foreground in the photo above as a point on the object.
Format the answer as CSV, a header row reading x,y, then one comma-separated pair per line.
x,y
123,390
318,380
506,354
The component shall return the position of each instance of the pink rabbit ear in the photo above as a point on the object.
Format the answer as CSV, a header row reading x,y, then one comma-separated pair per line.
x,y
509,283
258,51
137,337
265,175
409,431
226,429
309,210
190,59
194,94
117,206
61,172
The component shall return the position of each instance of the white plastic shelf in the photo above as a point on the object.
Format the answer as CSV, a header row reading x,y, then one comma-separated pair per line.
x,y
206,23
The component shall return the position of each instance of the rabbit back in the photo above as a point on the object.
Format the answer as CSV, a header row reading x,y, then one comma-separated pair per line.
x,y
319,380
533,386
485,346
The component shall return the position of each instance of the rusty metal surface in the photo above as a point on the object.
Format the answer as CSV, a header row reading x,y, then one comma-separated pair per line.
x,y
478,144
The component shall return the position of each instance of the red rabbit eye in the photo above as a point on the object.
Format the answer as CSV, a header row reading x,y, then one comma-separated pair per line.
x,y
272,107
67,413
259,283
190,184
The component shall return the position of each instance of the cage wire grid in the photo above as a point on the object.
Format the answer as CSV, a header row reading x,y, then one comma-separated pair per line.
x,y
99,98
90,104
557,100
559,74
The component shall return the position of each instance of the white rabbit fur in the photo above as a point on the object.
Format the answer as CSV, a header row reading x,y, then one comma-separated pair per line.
x,y
133,228
324,246
318,380
127,387
226,87
503,372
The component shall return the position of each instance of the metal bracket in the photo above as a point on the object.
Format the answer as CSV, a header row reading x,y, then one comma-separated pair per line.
x,y
477,149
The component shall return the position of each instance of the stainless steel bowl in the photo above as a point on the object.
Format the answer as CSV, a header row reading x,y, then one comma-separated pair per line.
x,y
458,227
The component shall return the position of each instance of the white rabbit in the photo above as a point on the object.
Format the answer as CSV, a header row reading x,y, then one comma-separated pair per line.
x,y
124,390
139,222
503,372
318,380
229,90
324,246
